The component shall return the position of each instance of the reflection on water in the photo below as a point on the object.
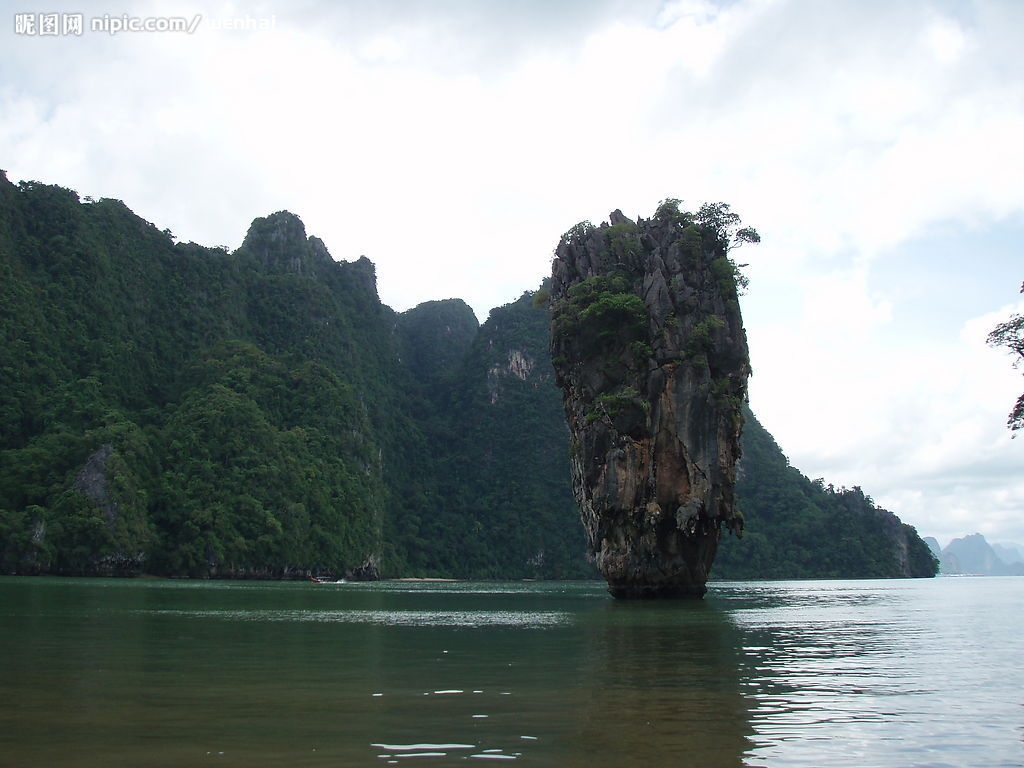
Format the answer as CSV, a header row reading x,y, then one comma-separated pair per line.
x,y
156,673
886,673
661,687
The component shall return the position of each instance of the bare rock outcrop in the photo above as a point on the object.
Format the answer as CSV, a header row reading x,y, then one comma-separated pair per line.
x,y
651,356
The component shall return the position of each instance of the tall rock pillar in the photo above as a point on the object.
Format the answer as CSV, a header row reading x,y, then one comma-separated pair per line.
x,y
651,356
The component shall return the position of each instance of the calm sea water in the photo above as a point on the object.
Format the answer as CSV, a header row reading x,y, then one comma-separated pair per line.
x,y
838,673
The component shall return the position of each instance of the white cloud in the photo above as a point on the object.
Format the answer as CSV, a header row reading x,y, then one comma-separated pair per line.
x,y
920,429
946,40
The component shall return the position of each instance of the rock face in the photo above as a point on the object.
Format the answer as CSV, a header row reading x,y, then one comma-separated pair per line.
x,y
279,241
650,353
92,481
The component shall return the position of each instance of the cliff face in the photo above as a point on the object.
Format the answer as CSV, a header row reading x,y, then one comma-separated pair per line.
x,y
485,491
280,244
650,354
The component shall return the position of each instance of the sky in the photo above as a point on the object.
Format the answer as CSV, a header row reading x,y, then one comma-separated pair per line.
x,y
876,146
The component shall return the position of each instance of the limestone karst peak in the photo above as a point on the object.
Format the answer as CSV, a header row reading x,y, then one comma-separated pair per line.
x,y
279,242
651,356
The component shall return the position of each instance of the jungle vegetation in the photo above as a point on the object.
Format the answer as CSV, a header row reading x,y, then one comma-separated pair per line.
x,y
173,409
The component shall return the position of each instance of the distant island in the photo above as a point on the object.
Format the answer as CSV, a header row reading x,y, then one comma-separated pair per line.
x,y
974,556
173,409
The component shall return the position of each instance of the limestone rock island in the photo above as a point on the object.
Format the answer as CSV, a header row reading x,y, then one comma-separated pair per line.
x,y
651,356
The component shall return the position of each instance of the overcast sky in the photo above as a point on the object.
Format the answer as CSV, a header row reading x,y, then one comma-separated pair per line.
x,y
877,146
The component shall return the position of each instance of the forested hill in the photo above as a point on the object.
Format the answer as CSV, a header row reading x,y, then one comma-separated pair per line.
x,y
179,410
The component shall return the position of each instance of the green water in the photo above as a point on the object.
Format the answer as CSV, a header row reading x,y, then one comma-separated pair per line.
x,y
167,673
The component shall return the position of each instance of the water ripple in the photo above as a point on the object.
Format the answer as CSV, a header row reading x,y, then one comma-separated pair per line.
x,y
521,619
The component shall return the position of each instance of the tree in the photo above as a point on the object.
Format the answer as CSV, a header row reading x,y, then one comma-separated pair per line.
x,y
1010,334
719,217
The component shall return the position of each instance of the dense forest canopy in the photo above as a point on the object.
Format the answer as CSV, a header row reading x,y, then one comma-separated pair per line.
x,y
179,410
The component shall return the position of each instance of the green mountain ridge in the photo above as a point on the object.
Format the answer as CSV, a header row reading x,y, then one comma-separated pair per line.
x,y
179,410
